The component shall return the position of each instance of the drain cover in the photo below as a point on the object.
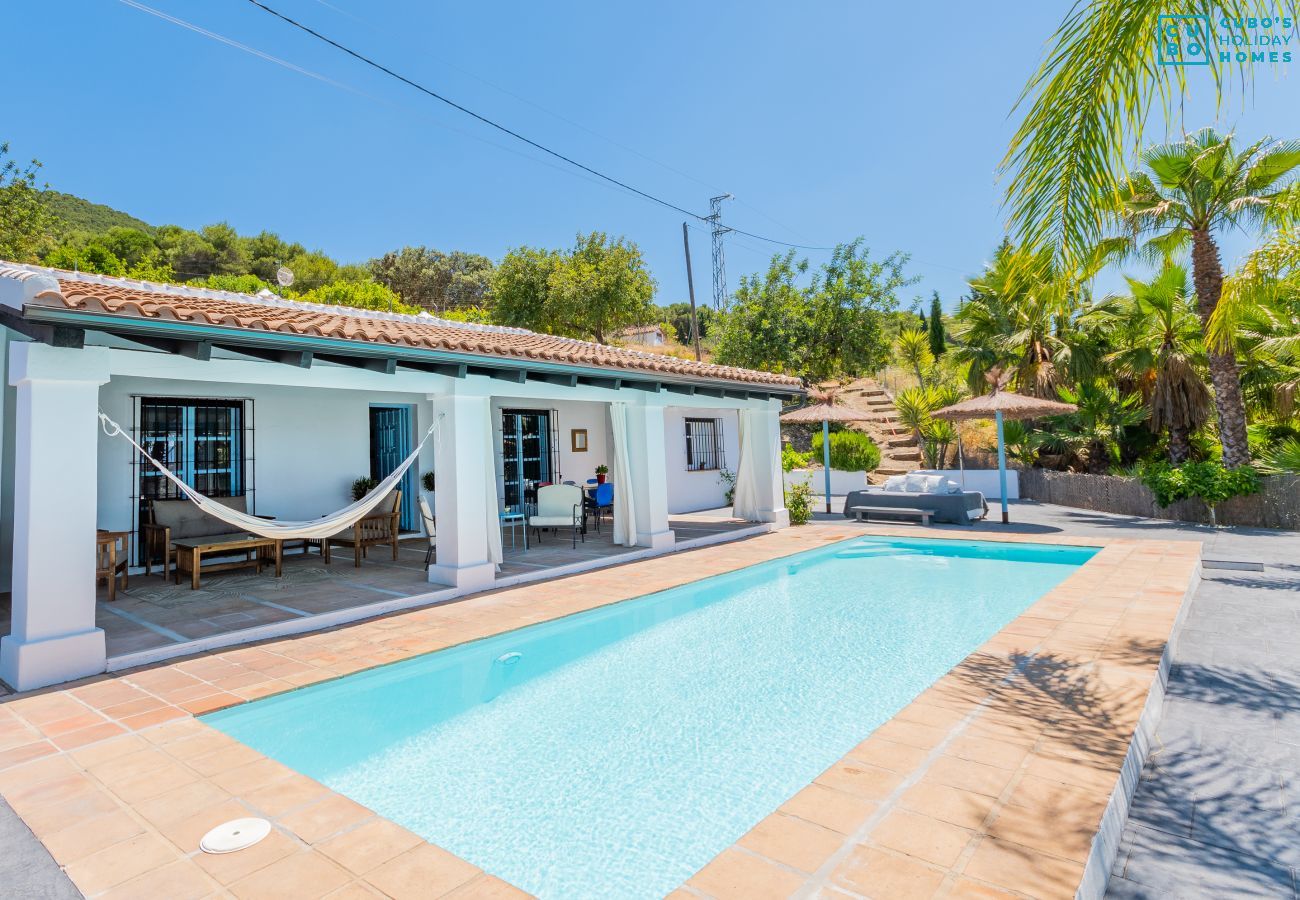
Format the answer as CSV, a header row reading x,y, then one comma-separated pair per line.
x,y
1235,564
235,835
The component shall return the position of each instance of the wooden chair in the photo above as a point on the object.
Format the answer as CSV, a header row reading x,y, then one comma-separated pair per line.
x,y
169,520
380,527
112,557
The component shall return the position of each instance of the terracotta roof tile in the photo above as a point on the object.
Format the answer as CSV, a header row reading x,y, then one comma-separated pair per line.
x,y
120,297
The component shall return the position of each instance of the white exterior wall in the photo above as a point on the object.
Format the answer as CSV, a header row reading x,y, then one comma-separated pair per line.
x,y
691,491
7,403
308,446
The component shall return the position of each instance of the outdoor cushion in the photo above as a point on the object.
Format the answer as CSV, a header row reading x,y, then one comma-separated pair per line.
x,y
188,521
951,486
934,484
896,483
915,483
551,521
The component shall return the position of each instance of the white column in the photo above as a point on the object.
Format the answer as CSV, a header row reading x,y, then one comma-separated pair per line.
x,y
56,440
462,470
649,460
762,449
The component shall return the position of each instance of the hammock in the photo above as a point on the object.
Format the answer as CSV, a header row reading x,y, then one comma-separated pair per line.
x,y
326,526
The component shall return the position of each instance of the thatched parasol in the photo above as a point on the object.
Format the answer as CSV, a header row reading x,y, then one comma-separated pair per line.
x,y
1000,405
825,411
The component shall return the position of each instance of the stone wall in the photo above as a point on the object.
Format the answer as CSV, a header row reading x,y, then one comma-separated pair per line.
x,y
1277,505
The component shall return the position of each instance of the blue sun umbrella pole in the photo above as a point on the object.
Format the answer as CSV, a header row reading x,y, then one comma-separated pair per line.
x,y
826,459
1002,467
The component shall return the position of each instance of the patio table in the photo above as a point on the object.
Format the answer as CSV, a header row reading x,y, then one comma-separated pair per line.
x,y
514,519
191,551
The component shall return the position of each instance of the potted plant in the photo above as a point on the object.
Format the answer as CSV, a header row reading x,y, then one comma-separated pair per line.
x,y
428,481
601,472
362,486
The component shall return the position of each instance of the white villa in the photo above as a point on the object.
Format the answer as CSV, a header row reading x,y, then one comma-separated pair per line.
x,y
285,405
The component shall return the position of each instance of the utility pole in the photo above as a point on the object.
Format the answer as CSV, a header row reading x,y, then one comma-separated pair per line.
x,y
690,286
719,263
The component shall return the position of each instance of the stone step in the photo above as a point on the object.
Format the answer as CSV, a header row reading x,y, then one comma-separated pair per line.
x,y
905,440
914,453
891,470
873,392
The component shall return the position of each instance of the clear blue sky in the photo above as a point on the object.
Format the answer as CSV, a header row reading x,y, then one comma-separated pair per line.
x,y
826,120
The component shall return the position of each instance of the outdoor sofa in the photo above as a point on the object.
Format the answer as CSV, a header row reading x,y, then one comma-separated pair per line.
x,y
942,496
171,520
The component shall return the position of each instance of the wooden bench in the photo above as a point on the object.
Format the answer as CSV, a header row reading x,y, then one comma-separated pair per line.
x,y
863,513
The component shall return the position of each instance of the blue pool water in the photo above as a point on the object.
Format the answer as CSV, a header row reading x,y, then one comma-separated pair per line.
x,y
613,753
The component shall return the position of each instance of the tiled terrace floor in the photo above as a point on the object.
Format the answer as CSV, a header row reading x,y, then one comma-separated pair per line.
x,y
154,613
991,783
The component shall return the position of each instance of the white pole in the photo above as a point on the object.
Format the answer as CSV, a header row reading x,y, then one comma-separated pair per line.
x,y
961,462
826,459
1002,468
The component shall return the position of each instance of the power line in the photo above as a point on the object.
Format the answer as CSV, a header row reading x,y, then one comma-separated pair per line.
x,y
509,131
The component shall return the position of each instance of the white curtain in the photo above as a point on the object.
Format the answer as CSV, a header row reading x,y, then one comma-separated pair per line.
x,y
745,500
624,513
282,529
490,492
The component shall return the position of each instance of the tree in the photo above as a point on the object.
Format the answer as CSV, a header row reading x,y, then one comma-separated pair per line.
x,y
1022,315
764,327
937,337
91,257
132,246
361,294
1087,106
435,280
913,350
678,315
1095,433
601,287
833,326
1189,191
592,291
1160,350
24,219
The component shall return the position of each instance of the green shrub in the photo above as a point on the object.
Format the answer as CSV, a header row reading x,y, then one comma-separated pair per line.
x,y
792,459
851,451
362,486
1207,479
799,503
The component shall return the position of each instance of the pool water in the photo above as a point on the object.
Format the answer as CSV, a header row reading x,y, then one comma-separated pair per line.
x,y
613,753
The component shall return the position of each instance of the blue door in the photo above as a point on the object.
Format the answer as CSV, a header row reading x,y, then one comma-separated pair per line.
x,y
390,443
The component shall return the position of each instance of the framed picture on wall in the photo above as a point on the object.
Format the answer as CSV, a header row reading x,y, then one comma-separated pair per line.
x,y
579,436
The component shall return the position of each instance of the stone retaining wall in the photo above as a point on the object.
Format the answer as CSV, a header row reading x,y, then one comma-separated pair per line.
x,y
1277,505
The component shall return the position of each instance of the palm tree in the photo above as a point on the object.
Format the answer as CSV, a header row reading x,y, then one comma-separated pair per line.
x,y
1190,191
1160,350
913,349
1022,316
1087,105
1094,434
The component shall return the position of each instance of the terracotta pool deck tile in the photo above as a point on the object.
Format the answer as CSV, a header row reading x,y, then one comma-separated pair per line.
x,y
987,751
252,776
968,889
181,880
948,804
36,772
792,841
860,779
120,862
872,872
81,737
369,845
88,836
913,734
1019,868
423,871
180,803
301,876
223,759
325,817
738,875
891,755
830,808
187,829
1065,830
968,776
488,887
927,839
56,817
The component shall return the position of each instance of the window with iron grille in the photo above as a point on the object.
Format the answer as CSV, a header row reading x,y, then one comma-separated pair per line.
x,y
704,445
207,443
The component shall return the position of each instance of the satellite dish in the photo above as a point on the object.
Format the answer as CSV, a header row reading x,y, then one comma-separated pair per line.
x,y
284,276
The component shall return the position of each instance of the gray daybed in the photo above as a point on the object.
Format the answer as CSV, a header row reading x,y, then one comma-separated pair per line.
x,y
959,508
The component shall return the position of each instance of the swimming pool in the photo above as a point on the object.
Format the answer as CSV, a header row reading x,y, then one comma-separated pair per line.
x,y
615,752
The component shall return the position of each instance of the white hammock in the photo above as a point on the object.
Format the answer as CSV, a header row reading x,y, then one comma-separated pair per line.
x,y
324,527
